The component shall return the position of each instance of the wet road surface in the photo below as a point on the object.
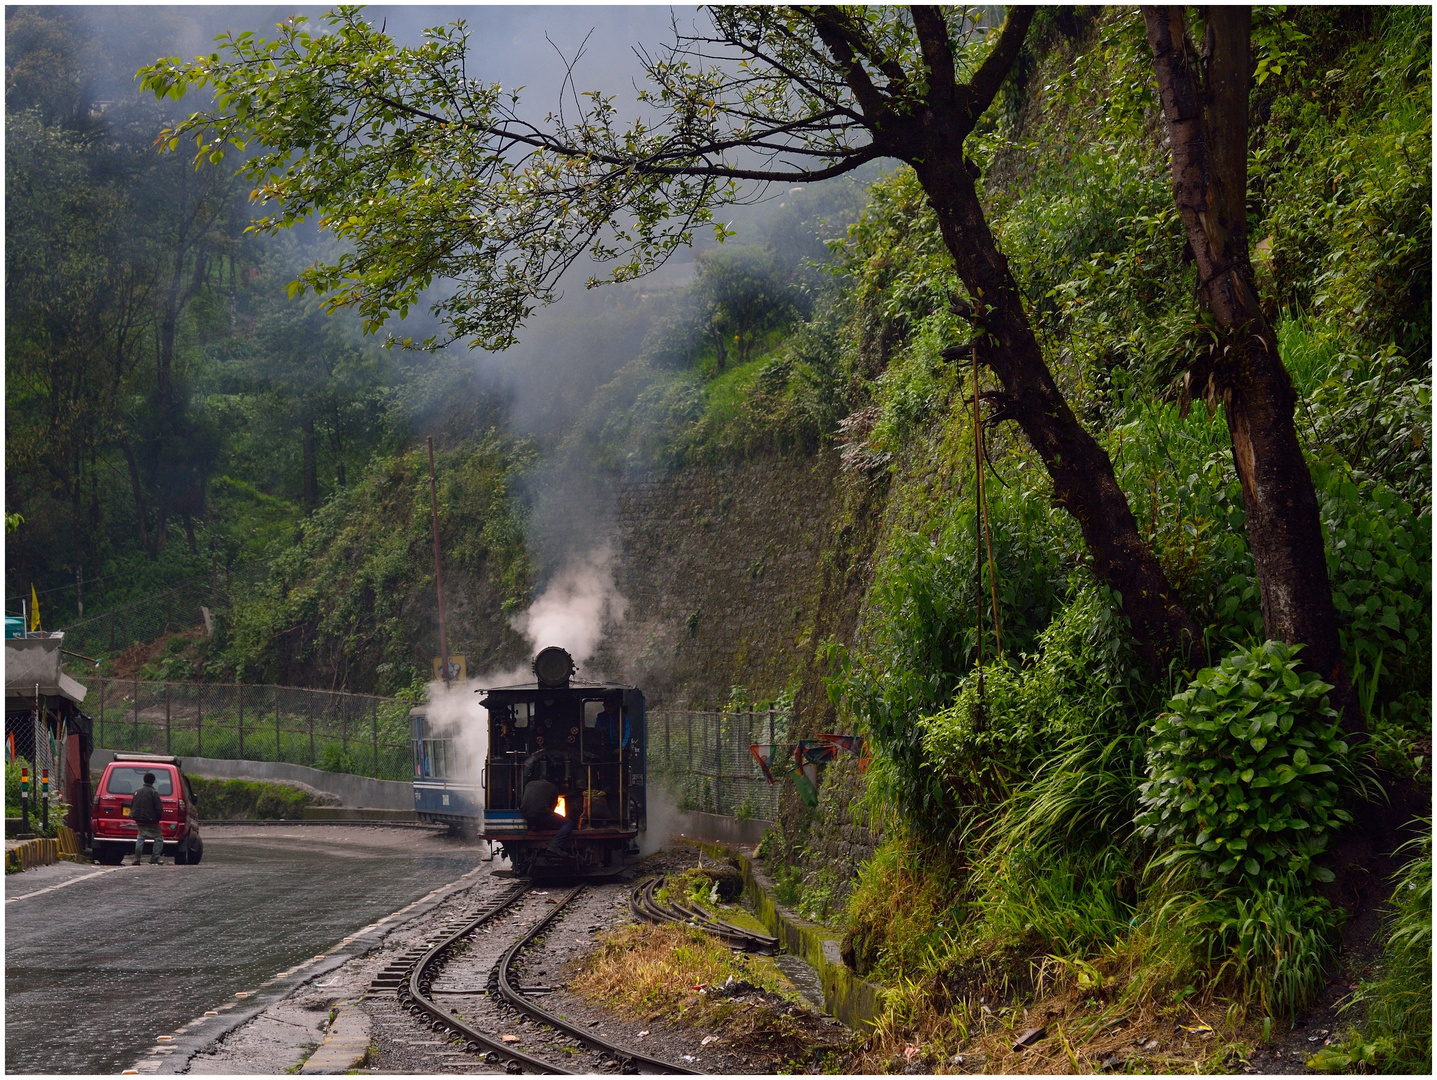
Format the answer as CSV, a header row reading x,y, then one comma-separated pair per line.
x,y
94,969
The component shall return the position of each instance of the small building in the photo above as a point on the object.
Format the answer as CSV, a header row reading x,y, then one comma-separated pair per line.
x,y
44,724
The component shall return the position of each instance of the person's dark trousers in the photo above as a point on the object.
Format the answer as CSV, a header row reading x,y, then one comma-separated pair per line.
x,y
565,825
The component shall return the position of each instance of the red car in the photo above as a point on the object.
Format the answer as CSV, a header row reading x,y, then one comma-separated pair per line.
x,y
114,833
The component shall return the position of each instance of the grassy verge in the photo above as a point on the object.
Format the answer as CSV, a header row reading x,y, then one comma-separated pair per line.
x,y
671,972
226,800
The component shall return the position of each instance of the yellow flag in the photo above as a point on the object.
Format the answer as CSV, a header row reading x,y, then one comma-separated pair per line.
x,y
34,609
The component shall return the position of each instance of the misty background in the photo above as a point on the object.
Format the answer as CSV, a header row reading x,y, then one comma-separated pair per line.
x,y
174,414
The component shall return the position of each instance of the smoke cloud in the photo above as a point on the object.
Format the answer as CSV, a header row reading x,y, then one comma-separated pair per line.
x,y
575,607
571,612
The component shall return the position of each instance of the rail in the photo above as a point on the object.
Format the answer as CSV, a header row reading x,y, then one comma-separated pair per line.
x,y
414,984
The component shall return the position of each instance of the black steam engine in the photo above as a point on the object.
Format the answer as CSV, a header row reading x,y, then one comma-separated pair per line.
x,y
562,788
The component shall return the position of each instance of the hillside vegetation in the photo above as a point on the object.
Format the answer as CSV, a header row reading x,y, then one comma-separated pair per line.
x,y
1063,819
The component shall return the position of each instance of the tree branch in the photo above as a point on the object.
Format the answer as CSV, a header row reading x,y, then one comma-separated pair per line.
x,y
995,67
937,54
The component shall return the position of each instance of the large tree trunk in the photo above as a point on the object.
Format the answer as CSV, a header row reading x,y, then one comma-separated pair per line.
x,y
1083,480
1208,133
309,464
139,492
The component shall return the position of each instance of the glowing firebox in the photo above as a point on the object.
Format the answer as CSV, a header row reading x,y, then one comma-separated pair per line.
x,y
560,808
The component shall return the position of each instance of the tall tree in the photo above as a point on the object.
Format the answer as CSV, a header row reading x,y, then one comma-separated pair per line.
x,y
428,173
1205,105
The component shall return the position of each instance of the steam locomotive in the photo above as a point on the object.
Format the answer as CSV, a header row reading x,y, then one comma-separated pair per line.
x,y
587,739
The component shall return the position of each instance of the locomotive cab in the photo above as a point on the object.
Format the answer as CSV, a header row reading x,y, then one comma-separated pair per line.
x,y
586,740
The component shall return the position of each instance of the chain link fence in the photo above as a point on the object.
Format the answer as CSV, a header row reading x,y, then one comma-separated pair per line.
x,y
705,760
351,733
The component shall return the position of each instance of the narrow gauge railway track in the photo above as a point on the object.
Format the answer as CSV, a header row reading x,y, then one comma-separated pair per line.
x,y
646,906
415,992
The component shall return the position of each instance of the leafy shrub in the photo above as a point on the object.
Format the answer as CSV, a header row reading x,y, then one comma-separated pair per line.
x,y
1244,770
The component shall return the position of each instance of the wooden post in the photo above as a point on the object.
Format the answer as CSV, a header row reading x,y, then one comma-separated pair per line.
x,y
239,725
167,719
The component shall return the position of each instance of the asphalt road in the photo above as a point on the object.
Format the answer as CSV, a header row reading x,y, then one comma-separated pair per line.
x,y
95,968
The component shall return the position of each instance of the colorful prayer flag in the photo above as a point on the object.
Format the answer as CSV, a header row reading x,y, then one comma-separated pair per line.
x,y
806,791
763,754
814,751
852,744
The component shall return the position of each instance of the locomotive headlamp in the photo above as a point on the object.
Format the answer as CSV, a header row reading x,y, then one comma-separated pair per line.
x,y
553,666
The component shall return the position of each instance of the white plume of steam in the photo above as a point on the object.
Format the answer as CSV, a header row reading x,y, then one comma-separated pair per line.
x,y
571,613
572,610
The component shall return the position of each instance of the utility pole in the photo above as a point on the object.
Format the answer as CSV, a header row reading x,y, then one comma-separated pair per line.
x,y
438,569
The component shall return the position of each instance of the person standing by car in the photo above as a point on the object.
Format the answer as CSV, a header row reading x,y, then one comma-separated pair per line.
x,y
146,811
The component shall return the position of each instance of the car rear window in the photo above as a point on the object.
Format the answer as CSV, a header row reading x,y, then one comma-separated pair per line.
x,y
126,780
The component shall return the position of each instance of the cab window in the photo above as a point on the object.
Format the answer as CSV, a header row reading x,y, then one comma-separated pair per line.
x,y
126,780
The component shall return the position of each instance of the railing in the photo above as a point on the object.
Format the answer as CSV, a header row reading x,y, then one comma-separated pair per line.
x,y
704,758
339,732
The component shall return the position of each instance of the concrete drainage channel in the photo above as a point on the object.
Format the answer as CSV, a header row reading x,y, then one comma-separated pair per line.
x,y
855,1001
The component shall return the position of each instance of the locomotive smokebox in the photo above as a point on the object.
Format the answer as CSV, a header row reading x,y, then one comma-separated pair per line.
x,y
553,667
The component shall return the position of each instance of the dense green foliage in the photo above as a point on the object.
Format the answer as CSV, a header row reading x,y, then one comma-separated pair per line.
x,y
1038,777
352,596
1246,771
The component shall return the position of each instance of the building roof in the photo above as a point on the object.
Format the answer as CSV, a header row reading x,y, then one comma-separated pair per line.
x,y
32,666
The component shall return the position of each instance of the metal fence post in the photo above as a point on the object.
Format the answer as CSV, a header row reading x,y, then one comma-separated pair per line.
x,y
374,722
278,753
239,724
343,727
102,711
718,762
199,721
137,712
167,719
309,710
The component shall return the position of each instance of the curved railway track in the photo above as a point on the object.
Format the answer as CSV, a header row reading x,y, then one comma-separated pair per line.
x,y
418,970
646,906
